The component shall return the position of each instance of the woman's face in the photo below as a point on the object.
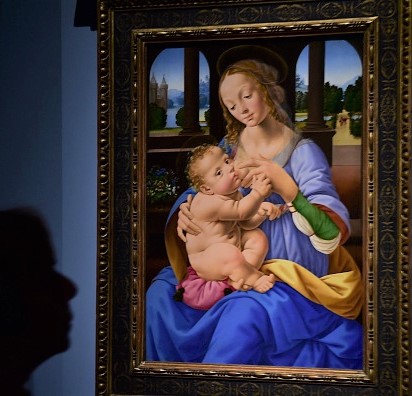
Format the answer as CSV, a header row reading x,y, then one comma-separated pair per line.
x,y
243,99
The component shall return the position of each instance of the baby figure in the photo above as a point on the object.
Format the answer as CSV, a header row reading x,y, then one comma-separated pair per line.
x,y
230,246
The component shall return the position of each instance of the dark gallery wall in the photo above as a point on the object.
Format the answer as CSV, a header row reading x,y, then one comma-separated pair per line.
x,y
48,159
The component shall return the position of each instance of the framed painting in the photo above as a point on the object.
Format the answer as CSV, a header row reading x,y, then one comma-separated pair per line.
x,y
159,66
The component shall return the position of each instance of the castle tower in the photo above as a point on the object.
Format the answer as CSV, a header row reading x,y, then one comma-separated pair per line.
x,y
153,86
162,94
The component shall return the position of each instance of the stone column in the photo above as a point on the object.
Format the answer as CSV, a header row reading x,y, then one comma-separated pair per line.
x,y
191,91
316,127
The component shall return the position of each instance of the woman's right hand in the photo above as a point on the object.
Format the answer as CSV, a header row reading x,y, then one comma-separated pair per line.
x,y
185,223
282,182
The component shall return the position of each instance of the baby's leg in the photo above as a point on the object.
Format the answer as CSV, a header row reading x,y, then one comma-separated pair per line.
x,y
219,261
254,246
222,260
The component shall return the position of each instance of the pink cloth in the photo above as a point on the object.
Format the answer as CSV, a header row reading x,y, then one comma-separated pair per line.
x,y
199,293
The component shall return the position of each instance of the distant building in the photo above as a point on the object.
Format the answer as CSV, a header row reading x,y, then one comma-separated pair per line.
x,y
158,92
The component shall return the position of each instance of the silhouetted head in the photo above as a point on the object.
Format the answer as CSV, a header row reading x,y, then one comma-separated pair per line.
x,y
35,317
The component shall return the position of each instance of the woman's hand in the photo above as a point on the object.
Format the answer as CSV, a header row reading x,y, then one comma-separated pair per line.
x,y
185,223
282,183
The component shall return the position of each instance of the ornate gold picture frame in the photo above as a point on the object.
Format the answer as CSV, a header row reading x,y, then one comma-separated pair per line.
x,y
130,34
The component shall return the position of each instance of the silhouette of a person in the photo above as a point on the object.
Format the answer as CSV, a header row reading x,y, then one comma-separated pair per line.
x,y
35,317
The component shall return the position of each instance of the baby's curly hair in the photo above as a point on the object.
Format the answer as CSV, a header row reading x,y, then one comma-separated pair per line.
x,y
196,180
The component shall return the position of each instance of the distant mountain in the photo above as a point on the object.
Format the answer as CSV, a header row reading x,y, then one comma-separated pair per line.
x,y
350,82
302,88
174,93
176,96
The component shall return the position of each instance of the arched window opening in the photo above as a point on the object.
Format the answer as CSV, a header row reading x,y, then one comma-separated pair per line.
x,y
341,90
176,104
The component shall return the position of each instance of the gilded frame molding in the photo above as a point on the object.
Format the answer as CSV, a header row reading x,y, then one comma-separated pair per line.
x,y
125,28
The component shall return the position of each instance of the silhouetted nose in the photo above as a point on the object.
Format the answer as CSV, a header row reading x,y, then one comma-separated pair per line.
x,y
68,288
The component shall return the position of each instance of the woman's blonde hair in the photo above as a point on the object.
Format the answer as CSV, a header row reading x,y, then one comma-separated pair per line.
x,y
266,78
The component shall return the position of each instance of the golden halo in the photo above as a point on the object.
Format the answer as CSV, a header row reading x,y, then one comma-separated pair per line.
x,y
257,52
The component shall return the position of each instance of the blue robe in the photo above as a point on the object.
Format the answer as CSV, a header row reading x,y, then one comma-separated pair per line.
x,y
278,328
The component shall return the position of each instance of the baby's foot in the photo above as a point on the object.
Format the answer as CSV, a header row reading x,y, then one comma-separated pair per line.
x,y
264,283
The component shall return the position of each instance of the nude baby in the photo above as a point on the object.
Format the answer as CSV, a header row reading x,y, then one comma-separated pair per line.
x,y
229,246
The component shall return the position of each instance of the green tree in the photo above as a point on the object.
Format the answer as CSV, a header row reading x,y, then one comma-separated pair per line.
x,y
299,83
353,97
356,127
332,99
157,117
301,95
301,104
180,117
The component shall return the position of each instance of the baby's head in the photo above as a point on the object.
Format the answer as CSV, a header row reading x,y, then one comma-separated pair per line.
x,y
211,171
194,174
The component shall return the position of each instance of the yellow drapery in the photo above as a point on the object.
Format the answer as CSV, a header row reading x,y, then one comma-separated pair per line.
x,y
341,291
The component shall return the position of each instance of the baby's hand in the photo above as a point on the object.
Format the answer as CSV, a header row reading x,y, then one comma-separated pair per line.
x,y
262,185
271,210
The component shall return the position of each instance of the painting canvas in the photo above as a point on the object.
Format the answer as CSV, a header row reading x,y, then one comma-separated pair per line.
x,y
164,183
145,141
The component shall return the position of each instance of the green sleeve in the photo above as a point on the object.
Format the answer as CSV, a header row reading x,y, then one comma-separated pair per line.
x,y
322,225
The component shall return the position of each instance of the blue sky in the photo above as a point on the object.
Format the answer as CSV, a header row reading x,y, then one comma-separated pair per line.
x,y
342,64
169,64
